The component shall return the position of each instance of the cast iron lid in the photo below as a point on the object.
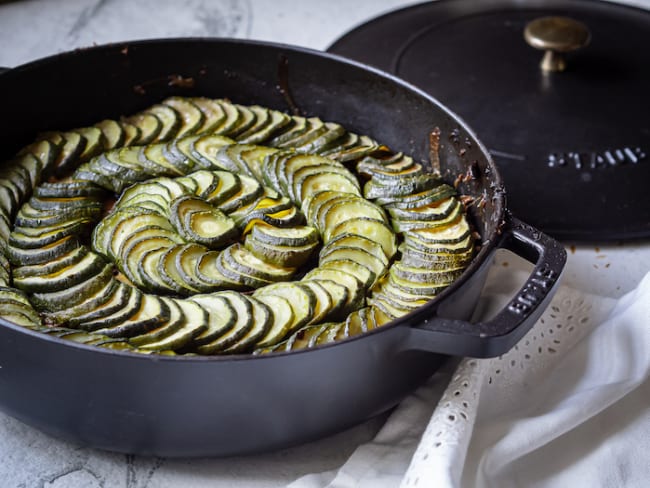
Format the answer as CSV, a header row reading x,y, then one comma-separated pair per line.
x,y
573,146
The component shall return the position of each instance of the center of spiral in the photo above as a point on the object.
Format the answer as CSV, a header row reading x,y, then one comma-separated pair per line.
x,y
207,231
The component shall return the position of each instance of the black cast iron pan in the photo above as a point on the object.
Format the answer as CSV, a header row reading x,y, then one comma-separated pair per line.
x,y
198,406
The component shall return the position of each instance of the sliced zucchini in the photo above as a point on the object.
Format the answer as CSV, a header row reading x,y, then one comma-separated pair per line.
x,y
407,185
153,337
232,117
187,259
434,211
69,189
262,321
206,182
222,317
204,150
45,151
363,146
72,147
149,126
356,324
73,295
88,306
306,337
113,132
389,288
117,295
412,287
417,199
228,267
113,230
280,255
329,333
346,207
298,126
282,319
28,217
243,261
9,201
289,216
80,268
194,323
245,121
324,304
377,230
25,256
178,153
29,238
300,297
171,275
200,222
425,276
208,273
439,234
249,192
191,116
131,258
155,160
253,157
132,134
356,254
434,260
244,323
18,301
213,114
292,166
95,143
153,312
276,122
355,298
170,121
363,272
320,140
229,159
18,317
308,183
125,302
262,118
229,184
415,240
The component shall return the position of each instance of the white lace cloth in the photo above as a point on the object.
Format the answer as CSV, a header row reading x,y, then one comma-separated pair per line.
x,y
568,406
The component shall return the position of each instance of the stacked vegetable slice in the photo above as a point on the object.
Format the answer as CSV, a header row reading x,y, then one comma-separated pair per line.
x,y
218,208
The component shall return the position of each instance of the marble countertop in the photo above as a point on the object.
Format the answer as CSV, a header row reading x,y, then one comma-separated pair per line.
x,y
30,29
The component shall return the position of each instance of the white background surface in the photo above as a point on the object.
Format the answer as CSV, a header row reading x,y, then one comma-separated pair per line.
x,y
31,29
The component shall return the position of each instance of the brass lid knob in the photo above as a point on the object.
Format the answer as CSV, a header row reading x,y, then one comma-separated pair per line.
x,y
556,36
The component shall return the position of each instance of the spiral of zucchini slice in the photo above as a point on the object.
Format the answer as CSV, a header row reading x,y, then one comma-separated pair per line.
x,y
199,226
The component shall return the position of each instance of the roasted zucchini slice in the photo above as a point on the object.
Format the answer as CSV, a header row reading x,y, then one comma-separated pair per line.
x,y
222,317
191,116
213,115
198,221
244,323
152,313
301,298
113,133
282,319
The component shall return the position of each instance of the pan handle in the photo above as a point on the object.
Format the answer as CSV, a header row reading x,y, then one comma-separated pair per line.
x,y
497,335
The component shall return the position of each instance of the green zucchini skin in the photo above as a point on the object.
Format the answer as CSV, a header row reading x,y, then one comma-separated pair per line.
x,y
218,207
